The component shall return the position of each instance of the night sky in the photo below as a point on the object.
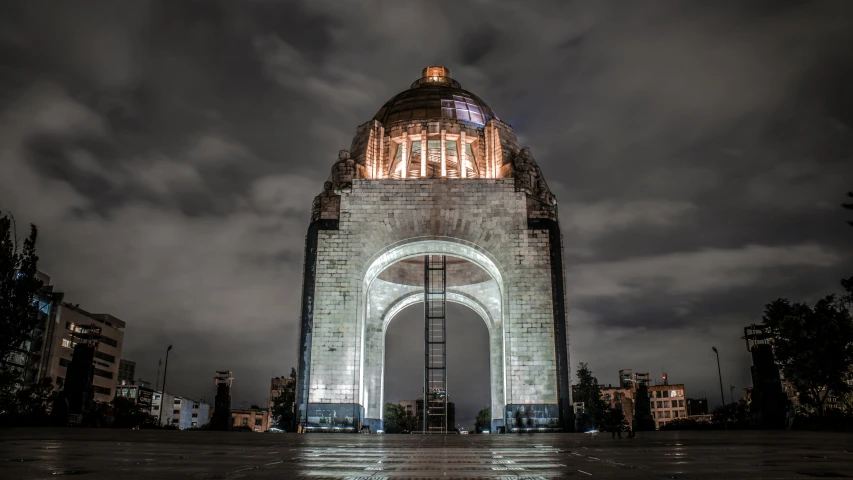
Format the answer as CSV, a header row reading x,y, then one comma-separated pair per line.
x,y
169,152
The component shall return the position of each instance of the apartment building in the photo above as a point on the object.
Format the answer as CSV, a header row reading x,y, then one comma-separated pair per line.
x,y
255,419
73,324
668,403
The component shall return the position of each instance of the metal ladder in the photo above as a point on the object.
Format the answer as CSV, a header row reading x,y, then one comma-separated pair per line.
x,y
435,344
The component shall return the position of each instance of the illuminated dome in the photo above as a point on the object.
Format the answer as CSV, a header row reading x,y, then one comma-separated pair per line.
x,y
435,96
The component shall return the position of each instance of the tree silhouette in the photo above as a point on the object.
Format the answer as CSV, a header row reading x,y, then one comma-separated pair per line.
x,y
588,391
484,420
19,314
849,206
813,346
394,418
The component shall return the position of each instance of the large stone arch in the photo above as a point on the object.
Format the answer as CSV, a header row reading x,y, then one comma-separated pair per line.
x,y
383,300
483,221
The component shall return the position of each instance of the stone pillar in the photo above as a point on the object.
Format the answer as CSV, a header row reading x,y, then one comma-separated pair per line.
x,y
423,153
443,153
463,155
404,159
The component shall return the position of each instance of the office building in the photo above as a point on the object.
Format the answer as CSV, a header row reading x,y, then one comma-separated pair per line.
x,y
72,325
139,393
126,372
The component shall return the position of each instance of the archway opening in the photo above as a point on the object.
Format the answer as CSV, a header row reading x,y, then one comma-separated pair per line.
x,y
395,281
467,361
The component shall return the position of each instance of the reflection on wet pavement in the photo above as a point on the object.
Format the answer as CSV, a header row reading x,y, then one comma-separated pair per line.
x,y
163,455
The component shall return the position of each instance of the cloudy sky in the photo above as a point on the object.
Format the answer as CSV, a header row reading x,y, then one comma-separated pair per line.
x,y
169,152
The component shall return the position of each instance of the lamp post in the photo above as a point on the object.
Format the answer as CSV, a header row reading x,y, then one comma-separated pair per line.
x,y
163,392
719,372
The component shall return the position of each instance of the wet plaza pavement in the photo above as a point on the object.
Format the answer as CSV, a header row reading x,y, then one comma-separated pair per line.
x,y
163,455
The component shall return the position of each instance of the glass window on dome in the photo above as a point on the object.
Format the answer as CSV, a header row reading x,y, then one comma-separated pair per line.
x,y
416,151
450,147
434,151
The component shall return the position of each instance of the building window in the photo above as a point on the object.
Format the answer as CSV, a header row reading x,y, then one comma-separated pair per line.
x,y
67,343
195,424
105,357
660,424
660,404
675,414
103,373
177,401
666,414
258,422
102,390
657,394
44,307
666,404
176,412
195,405
195,415
155,407
245,421
681,403
666,394
653,414
64,362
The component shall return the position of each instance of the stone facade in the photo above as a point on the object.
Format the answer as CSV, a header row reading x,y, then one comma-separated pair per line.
x,y
497,221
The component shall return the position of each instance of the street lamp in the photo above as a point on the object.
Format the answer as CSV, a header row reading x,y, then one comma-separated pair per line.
x,y
719,372
163,392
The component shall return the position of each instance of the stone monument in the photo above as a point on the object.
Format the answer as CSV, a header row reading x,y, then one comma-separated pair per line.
x,y
435,172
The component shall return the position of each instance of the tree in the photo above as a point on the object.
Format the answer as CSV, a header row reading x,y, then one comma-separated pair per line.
x,y
483,420
849,206
127,414
732,416
19,314
614,419
394,418
847,297
813,346
20,403
411,422
588,391
283,405
24,404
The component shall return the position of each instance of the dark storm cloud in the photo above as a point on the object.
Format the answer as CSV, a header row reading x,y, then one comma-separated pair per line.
x,y
169,152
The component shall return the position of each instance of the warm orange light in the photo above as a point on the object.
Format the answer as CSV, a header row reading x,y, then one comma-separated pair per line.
x,y
435,73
